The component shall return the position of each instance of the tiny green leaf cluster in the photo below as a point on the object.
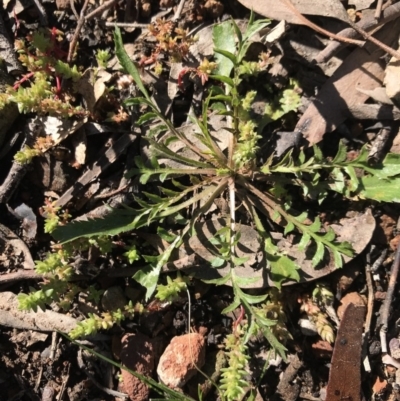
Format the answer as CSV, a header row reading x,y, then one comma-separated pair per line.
x,y
233,381
42,56
171,291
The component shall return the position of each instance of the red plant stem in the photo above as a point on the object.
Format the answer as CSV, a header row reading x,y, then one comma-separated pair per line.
x,y
58,86
22,80
17,23
239,319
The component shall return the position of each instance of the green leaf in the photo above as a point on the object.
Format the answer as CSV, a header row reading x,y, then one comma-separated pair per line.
x,y
224,38
338,259
237,31
319,254
148,276
282,269
146,117
251,299
232,306
305,239
341,154
219,281
289,228
127,63
239,261
380,190
230,56
116,222
225,80
390,166
217,262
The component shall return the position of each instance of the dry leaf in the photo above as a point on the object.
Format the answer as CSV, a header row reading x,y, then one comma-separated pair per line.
x,y
80,144
361,4
392,80
357,230
279,9
59,129
345,373
361,69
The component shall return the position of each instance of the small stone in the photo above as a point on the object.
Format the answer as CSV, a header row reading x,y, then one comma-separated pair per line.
x,y
179,360
322,349
380,295
394,346
350,298
375,348
113,299
137,355
380,386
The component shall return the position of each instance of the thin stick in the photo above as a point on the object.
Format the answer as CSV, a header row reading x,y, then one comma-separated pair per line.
x,y
361,31
126,25
106,5
75,38
370,303
320,30
18,171
72,4
367,36
389,13
42,13
394,272
378,10
178,11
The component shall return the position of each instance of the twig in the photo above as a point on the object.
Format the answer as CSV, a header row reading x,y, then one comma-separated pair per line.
x,y
75,38
367,36
19,275
53,347
72,4
42,13
320,30
126,25
390,13
64,384
377,152
378,262
394,272
106,5
108,391
18,170
378,9
178,12
111,193
370,303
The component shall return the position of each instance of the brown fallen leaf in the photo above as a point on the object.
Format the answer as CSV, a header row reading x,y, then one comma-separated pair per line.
x,y
279,10
362,69
197,253
345,374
